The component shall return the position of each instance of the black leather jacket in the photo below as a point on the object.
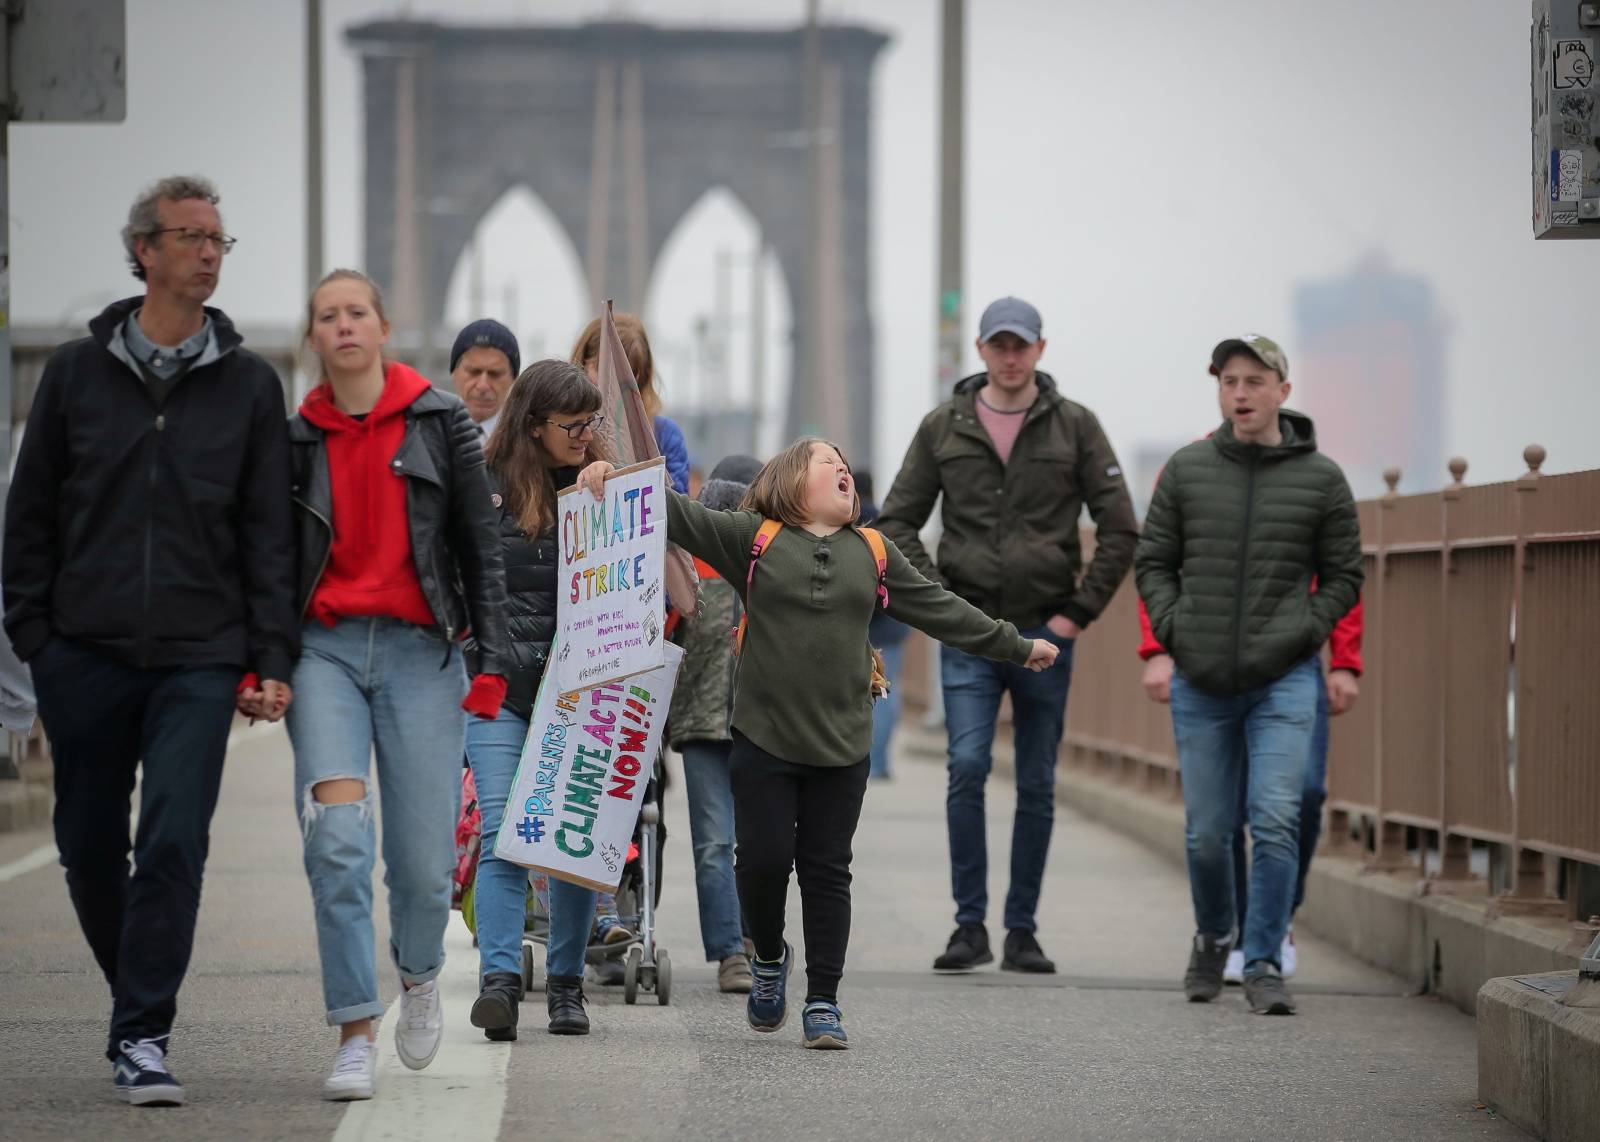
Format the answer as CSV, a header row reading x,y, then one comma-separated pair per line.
x,y
452,520
530,602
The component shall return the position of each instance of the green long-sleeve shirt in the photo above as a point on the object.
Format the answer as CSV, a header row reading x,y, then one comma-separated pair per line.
x,y
802,688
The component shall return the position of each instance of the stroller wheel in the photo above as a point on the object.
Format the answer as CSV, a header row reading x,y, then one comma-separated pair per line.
x,y
527,969
663,977
630,974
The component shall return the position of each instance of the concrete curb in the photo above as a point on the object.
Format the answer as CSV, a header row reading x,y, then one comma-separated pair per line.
x,y
1443,945
1538,1059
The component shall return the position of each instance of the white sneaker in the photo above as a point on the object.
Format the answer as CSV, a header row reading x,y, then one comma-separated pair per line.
x,y
1233,970
1287,956
354,1074
420,1027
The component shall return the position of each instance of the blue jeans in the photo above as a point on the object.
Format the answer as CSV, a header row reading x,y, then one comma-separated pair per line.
x,y
1311,802
500,894
708,780
972,689
886,711
1261,738
365,684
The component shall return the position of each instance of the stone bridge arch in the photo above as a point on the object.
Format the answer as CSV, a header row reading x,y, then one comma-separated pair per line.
x,y
619,128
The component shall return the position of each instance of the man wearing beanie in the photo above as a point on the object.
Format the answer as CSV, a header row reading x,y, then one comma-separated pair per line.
x,y
483,362
698,723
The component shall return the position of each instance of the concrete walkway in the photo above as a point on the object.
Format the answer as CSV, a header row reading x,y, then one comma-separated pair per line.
x,y
1107,1049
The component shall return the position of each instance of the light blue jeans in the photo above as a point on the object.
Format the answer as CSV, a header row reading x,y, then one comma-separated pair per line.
x,y
886,710
501,892
1263,739
366,685
708,780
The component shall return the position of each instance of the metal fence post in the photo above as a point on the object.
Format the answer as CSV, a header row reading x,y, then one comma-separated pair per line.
x,y
1389,837
1455,852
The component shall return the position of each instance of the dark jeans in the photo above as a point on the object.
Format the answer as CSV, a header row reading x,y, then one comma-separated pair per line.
x,y
104,718
972,688
1311,801
801,817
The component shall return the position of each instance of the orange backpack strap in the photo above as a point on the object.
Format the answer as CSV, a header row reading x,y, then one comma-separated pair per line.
x,y
880,556
764,535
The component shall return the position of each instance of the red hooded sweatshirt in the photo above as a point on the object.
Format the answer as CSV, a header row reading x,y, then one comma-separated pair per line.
x,y
370,567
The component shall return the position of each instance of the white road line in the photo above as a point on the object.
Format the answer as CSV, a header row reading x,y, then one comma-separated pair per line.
x,y
462,1094
38,858
47,854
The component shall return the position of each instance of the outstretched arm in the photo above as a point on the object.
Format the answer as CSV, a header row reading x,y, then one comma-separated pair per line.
x,y
924,604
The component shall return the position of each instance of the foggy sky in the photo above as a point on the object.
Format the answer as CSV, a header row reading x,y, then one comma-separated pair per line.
x,y
1153,176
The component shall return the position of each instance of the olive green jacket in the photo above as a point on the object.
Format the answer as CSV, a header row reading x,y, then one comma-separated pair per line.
x,y
1235,536
1010,543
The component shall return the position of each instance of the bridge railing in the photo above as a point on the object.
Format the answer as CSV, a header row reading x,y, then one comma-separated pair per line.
x,y
1478,726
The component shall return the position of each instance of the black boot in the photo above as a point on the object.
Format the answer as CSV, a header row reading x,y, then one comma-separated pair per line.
x,y
564,994
496,1007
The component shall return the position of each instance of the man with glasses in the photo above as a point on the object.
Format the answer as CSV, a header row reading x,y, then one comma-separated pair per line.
x,y
148,572
1015,462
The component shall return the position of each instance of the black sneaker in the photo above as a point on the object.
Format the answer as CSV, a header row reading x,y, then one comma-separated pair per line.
x,y
497,1008
564,998
1023,953
968,948
1265,992
141,1077
1203,981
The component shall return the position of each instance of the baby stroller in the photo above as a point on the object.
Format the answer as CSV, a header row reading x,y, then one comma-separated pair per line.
x,y
645,965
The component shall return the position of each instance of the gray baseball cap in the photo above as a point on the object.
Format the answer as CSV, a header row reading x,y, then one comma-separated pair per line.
x,y
1010,315
1263,349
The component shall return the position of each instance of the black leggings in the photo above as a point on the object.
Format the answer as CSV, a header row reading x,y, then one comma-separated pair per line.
x,y
803,817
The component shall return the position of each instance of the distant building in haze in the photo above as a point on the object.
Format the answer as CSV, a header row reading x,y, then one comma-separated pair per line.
x,y
1368,366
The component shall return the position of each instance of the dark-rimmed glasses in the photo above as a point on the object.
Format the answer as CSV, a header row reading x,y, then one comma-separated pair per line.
x,y
575,429
190,236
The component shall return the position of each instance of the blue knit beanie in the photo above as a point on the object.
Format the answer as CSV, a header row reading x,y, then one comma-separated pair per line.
x,y
489,334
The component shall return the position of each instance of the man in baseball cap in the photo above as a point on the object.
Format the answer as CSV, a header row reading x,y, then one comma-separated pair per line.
x,y
483,362
1241,523
1015,462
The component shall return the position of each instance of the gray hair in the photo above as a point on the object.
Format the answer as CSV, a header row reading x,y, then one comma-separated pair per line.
x,y
144,219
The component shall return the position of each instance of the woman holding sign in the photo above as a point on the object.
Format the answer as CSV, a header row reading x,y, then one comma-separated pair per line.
x,y
547,431
397,557
802,707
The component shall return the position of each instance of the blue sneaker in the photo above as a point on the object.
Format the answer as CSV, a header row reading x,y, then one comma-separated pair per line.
x,y
768,1005
824,1026
141,1077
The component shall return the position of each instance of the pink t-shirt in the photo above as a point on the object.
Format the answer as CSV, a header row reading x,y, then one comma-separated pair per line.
x,y
1002,427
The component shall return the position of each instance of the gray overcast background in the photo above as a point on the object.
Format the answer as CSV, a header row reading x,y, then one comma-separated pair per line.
x,y
1153,175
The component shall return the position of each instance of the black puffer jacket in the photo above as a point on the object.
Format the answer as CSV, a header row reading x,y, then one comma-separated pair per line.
x,y
530,600
451,517
1234,538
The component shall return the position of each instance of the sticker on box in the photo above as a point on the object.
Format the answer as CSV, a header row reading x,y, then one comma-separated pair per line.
x,y
1573,64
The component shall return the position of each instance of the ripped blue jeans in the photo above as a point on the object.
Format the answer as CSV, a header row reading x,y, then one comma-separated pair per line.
x,y
376,686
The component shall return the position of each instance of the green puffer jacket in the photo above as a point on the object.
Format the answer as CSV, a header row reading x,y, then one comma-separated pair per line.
x,y
1234,538
702,698
1010,544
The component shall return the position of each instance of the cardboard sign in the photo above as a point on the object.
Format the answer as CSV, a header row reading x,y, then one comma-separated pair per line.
x,y
582,776
610,609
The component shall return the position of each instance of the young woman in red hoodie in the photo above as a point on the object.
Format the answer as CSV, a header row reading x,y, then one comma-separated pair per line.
x,y
398,556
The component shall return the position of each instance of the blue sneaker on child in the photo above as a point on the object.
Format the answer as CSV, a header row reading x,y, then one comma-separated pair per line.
x,y
768,1005
824,1026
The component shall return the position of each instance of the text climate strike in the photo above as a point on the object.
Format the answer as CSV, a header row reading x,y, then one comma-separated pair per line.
x,y
592,526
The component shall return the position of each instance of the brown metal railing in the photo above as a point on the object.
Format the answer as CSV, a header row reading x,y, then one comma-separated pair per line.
x,y
1479,717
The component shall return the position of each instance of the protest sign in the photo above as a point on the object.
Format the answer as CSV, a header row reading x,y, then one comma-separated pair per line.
x,y
610,610
582,776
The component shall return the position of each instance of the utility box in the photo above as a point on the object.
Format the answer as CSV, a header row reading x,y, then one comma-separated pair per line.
x,y
1566,119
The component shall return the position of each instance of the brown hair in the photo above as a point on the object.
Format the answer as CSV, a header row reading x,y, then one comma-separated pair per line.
x,y
518,459
341,275
635,345
779,489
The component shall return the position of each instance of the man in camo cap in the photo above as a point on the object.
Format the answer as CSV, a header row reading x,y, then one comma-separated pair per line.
x,y
1241,524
